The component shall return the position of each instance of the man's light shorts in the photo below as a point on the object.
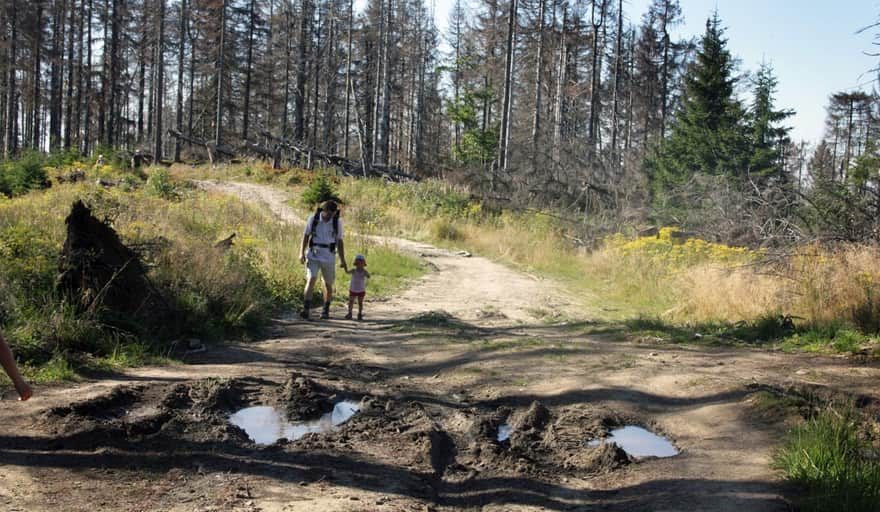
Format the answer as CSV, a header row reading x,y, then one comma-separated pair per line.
x,y
326,268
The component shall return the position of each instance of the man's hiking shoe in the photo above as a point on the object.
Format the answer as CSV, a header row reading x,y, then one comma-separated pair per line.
x,y
304,314
360,317
348,316
325,315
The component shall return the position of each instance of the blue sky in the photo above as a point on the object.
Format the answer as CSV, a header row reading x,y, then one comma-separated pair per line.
x,y
811,44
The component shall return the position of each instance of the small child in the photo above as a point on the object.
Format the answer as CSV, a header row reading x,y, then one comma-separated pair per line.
x,y
7,360
358,286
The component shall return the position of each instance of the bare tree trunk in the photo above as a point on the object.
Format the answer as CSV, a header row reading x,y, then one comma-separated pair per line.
x,y
329,133
151,97
87,128
539,65
77,122
618,57
596,74
385,120
192,80
68,113
160,82
664,86
218,121
457,22
38,44
380,50
56,75
287,54
421,100
10,146
504,137
561,78
316,72
348,81
248,68
113,78
142,71
180,53
299,98
631,92
112,120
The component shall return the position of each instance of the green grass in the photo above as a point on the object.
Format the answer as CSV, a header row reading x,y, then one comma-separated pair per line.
x,y
832,338
510,344
629,293
773,406
771,331
57,369
215,294
836,467
390,270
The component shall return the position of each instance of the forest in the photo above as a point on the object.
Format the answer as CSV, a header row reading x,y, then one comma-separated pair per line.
x,y
531,102
580,224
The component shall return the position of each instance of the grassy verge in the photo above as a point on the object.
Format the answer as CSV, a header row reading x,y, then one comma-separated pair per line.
x,y
834,463
215,294
771,331
820,299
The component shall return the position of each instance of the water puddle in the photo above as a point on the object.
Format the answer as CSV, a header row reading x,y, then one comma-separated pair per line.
x,y
266,425
504,431
639,442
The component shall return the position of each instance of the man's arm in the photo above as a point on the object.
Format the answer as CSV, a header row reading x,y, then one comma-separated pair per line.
x,y
340,246
302,248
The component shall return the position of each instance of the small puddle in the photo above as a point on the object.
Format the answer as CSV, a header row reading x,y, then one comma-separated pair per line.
x,y
639,442
504,431
266,425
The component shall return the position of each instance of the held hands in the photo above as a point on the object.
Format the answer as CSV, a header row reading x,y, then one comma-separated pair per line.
x,y
344,265
302,257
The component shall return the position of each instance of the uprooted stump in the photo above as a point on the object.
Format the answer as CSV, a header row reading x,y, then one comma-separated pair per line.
x,y
100,274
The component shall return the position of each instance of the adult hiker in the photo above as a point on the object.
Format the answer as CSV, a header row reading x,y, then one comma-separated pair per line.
x,y
323,239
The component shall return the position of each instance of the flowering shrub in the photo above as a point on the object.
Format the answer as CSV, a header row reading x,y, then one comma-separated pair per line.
x,y
666,249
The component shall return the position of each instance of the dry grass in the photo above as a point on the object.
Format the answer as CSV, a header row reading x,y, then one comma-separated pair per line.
x,y
709,293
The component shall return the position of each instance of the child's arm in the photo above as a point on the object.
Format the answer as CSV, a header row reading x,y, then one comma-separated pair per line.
x,y
349,270
367,273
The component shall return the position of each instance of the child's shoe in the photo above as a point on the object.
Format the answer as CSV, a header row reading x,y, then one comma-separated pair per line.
x,y
360,317
348,316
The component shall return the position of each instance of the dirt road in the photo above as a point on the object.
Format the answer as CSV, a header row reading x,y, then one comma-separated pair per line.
x,y
435,372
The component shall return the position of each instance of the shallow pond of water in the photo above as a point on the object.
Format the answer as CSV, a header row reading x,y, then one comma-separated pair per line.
x,y
266,425
639,442
504,431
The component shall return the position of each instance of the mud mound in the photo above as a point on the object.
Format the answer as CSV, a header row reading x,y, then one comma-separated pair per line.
x,y
541,442
424,447
104,407
303,399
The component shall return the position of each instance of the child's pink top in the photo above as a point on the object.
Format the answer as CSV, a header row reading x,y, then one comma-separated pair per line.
x,y
358,281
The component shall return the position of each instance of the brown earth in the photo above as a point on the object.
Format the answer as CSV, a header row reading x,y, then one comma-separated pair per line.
x,y
435,370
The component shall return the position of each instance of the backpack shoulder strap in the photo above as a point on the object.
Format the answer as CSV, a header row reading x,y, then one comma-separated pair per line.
x,y
315,218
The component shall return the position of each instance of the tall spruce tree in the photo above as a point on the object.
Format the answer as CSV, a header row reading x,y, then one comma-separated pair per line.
x,y
708,135
768,136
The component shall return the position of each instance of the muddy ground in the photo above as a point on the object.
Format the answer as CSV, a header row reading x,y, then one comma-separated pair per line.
x,y
435,372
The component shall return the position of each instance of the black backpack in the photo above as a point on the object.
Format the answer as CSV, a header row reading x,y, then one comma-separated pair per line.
x,y
314,229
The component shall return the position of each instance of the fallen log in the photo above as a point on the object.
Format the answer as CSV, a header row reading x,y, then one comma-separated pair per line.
x,y
212,149
346,166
